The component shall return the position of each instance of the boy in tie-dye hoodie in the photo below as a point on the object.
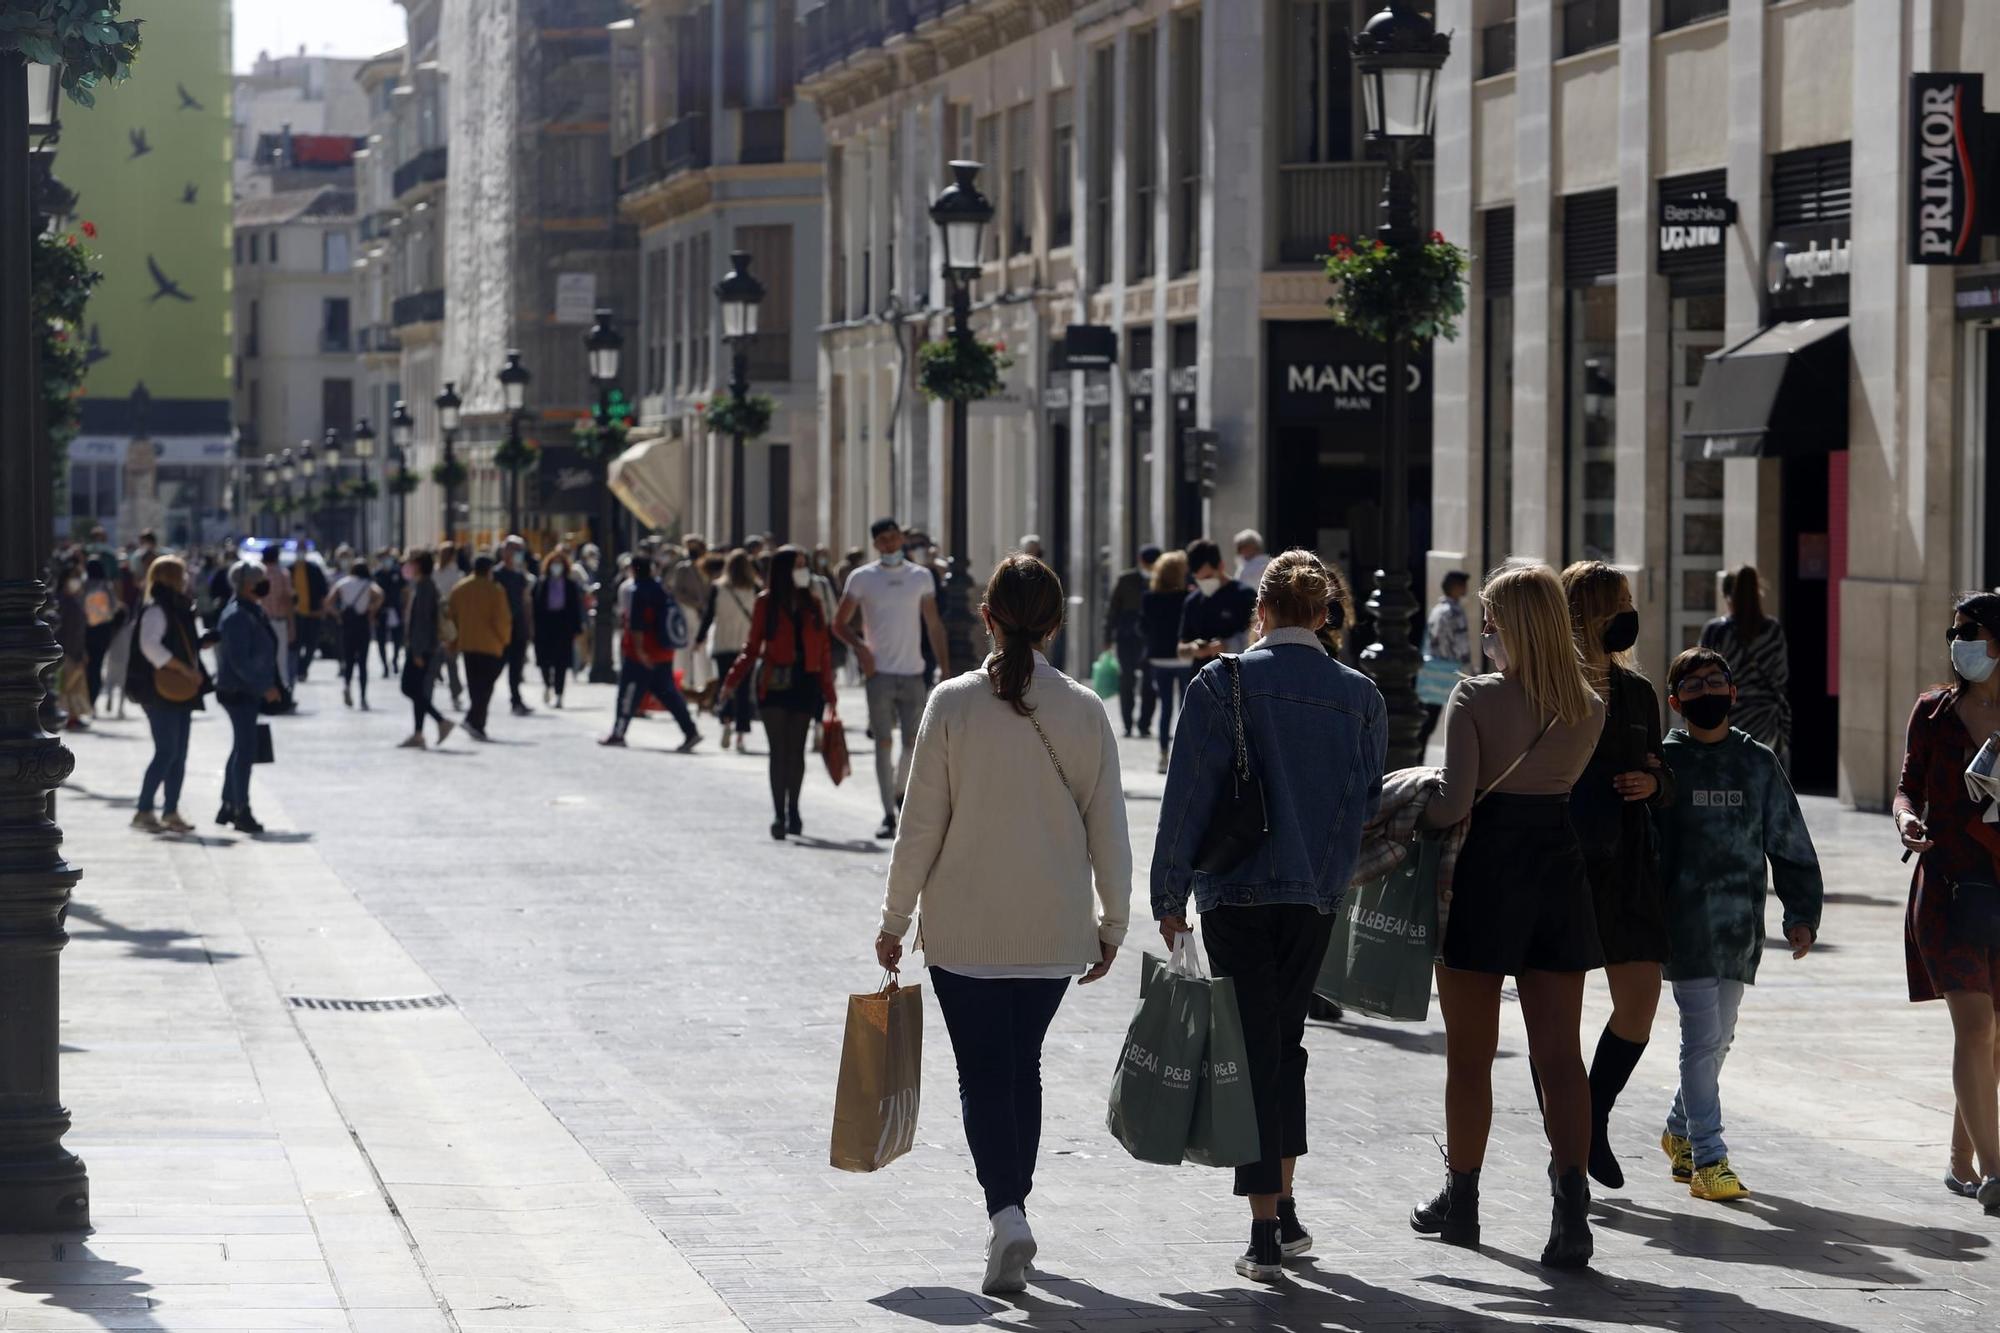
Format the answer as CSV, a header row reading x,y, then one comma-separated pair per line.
x,y
1736,813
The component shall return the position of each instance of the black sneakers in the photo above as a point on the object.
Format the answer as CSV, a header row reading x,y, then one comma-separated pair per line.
x,y
1293,1239
1264,1261
888,829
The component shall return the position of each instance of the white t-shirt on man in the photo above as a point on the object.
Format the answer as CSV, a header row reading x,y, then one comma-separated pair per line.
x,y
892,614
352,593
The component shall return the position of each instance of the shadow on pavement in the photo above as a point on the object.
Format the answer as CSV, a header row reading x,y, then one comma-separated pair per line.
x,y
1797,1236
112,1297
173,946
282,836
1402,1037
87,794
851,845
1602,1299
1076,1303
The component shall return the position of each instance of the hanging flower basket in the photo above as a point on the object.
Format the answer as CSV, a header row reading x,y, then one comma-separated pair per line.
x,y
515,455
86,37
450,474
1379,292
750,418
961,370
606,431
403,482
359,489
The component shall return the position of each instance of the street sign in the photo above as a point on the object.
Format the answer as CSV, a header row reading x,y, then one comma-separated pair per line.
x,y
1090,347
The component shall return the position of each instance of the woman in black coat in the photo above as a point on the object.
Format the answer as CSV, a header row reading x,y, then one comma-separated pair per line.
x,y
558,599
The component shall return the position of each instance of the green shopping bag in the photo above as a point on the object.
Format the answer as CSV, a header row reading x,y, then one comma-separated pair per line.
x,y
1104,674
1224,1131
1378,961
1152,1093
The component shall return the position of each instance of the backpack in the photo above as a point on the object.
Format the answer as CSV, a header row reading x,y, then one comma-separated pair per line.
x,y
673,623
654,608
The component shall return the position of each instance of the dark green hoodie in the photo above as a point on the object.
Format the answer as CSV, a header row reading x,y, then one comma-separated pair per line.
x,y
1735,811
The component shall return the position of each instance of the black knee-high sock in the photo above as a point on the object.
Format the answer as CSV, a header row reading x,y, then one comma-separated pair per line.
x,y
1610,1069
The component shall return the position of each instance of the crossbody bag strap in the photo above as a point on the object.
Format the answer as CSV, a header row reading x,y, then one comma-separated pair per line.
x,y
1518,761
1053,759
1234,666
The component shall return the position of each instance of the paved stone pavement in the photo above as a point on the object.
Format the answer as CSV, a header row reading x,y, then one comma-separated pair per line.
x,y
669,983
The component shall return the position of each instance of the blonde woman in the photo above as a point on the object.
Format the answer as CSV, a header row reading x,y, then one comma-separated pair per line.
x,y
1516,740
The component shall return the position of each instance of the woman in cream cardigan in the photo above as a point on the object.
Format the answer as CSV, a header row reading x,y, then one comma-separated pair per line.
x,y
1013,849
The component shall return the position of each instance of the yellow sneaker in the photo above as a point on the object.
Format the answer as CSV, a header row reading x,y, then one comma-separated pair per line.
x,y
1680,1152
1717,1184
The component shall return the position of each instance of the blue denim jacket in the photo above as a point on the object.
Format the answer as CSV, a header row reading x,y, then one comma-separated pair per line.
x,y
246,661
1318,738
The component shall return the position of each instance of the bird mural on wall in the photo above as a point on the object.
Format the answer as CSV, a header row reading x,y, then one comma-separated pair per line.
x,y
188,102
93,351
188,192
164,285
139,145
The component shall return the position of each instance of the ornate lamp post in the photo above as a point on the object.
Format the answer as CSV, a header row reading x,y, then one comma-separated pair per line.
x,y
1397,57
447,407
43,1186
329,462
603,348
402,429
308,466
740,295
514,387
288,471
961,214
364,449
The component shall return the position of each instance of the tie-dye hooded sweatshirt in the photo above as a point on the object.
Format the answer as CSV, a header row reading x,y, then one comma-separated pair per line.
x,y
1736,811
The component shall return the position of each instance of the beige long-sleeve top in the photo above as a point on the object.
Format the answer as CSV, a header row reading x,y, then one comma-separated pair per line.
x,y
1006,865
1489,723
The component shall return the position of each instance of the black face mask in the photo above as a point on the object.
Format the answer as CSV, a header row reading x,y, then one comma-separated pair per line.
x,y
261,588
1708,712
1621,631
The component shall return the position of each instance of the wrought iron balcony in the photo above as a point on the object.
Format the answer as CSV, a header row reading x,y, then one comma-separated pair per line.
x,y
418,308
422,169
377,338
681,146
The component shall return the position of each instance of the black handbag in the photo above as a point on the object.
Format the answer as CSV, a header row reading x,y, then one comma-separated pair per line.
x,y
1241,820
264,754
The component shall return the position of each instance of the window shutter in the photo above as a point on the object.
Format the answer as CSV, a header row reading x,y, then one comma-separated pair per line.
x,y
1812,185
1590,237
735,53
1497,251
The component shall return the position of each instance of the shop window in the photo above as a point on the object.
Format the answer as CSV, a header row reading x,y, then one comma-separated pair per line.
x,y
1587,25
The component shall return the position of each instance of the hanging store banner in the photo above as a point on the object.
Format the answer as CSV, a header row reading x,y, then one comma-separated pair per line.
x,y
1947,161
1694,228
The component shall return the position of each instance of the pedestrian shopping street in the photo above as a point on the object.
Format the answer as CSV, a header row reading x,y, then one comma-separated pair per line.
x,y
617,1117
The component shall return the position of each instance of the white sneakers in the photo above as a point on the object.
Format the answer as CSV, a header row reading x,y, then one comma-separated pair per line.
x,y
1008,1252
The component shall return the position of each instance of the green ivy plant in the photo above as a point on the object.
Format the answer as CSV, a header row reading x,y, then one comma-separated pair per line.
x,y
448,474
86,37
403,482
515,454
362,489
64,274
1380,292
961,370
750,417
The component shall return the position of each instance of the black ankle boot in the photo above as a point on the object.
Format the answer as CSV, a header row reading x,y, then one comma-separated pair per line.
x,y
1610,1070
1570,1244
1453,1215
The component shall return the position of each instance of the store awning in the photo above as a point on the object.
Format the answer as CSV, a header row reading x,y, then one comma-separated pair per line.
x,y
1781,391
650,479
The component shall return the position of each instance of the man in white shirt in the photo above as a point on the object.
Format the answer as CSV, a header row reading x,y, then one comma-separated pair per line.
x,y
1250,552
898,605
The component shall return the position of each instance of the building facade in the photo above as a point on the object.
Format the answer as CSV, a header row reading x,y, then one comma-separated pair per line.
x,y
717,154
1671,203
1166,173
286,95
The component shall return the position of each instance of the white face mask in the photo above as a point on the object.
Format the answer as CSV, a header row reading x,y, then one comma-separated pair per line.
x,y
1969,659
1208,586
801,577
1495,654
890,559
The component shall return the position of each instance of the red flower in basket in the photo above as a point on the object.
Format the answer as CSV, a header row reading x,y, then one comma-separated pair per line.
x,y
90,230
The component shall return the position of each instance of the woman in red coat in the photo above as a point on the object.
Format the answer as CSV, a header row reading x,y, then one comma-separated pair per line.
x,y
790,640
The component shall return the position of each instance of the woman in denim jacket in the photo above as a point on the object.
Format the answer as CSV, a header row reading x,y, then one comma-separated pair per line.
x,y
1317,737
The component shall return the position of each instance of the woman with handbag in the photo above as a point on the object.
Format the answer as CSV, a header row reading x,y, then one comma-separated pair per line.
x,y
725,628
1951,932
1278,769
246,678
1516,741
166,679
1626,779
790,640
1013,846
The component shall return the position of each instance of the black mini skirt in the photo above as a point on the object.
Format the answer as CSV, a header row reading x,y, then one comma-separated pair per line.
x,y
1520,896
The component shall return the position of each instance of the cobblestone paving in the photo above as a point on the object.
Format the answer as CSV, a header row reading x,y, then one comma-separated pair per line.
x,y
670,982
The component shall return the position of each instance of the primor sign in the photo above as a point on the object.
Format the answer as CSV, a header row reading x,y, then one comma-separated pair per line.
x,y
1948,167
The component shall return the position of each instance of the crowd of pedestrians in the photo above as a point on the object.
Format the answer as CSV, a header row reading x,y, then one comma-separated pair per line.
x,y
1592,820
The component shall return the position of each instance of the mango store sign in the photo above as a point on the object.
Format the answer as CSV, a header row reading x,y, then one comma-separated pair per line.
x,y
1346,386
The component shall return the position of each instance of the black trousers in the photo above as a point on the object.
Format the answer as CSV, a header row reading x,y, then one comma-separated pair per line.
x,y
787,729
354,635
517,667
1135,681
1273,955
997,1026
482,672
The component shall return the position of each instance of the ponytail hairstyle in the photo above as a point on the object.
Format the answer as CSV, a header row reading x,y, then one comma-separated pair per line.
x,y
1024,600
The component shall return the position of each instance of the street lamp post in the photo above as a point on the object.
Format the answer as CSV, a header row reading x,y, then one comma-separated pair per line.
x,y
514,387
447,407
43,1186
329,461
402,429
740,295
603,347
364,449
308,466
1397,57
961,214
287,471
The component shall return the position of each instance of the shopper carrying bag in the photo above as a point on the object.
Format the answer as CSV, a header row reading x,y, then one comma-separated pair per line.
x,y
1013,847
1224,1129
1379,960
881,1071
1153,1090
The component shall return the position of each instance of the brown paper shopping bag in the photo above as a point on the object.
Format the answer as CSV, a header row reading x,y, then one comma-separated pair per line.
x,y
881,1063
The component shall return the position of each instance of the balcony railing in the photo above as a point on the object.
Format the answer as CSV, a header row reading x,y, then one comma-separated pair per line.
x,y
1316,199
681,146
377,338
335,340
422,169
418,308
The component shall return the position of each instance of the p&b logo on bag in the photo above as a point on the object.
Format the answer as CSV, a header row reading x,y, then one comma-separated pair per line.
x,y
898,1114
1718,798
1383,923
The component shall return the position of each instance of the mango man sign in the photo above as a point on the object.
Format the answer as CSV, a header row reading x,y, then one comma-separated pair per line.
x,y
1948,168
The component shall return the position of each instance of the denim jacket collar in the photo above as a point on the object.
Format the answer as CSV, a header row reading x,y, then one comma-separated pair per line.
x,y
1293,634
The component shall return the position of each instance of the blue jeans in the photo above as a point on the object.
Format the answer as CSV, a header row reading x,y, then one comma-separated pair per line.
x,y
1170,683
242,754
170,756
996,1028
1708,1028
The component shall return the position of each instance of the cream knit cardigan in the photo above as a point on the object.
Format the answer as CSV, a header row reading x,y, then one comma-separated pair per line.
x,y
999,856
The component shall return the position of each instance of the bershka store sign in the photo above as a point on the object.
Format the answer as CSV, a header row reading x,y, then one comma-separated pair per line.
x,y
1695,227
1949,167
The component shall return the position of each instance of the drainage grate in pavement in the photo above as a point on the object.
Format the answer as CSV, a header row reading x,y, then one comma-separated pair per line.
x,y
370,1006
